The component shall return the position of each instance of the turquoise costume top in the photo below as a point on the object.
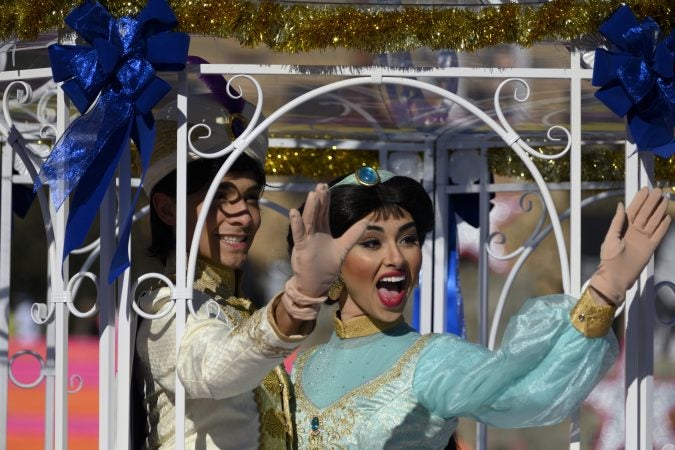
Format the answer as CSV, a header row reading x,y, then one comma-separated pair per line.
x,y
376,385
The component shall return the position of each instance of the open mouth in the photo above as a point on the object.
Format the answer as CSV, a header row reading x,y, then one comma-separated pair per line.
x,y
391,289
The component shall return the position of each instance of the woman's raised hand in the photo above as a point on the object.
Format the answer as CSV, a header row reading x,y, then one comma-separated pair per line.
x,y
317,256
630,242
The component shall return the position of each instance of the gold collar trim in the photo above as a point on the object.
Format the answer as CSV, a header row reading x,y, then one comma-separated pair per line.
x,y
361,326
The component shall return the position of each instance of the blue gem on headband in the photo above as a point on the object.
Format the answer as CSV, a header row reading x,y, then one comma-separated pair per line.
x,y
366,176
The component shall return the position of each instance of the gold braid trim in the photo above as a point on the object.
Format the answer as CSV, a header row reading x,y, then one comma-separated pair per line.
x,y
591,319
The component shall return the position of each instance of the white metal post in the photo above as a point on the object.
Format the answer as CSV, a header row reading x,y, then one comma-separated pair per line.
x,y
106,333
126,323
440,252
181,230
5,266
483,275
59,297
639,324
575,210
427,277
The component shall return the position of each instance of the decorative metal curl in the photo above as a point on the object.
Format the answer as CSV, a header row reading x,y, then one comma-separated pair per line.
x,y
241,140
515,136
69,288
47,118
138,309
499,237
39,359
22,97
40,313
76,384
671,286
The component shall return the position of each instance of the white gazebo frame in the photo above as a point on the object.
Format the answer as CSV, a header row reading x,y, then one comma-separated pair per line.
x,y
116,332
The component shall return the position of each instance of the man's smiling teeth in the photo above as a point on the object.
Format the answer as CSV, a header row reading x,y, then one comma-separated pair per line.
x,y
232,239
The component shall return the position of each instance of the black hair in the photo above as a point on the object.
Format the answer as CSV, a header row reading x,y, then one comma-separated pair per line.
x,y
200,174
349,203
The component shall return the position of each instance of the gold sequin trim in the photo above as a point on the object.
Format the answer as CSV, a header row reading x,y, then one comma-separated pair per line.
x,y
361,326
343,425
591,319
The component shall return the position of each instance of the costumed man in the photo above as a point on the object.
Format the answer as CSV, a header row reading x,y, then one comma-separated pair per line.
x,y
229,360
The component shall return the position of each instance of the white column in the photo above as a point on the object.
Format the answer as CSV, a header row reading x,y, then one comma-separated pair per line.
x,y
639,324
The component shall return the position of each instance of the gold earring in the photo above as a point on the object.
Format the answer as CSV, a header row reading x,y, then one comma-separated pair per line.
x,y
335,289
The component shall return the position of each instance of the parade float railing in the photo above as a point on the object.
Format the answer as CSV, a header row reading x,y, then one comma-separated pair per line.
x,y
116,308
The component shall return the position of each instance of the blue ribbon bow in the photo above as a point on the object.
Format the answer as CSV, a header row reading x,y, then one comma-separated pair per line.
x,y
120,66
637,79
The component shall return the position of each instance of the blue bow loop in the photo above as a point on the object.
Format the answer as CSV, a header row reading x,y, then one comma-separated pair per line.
x,y
161,59
615,27
157,17
636,79
91,21
120,75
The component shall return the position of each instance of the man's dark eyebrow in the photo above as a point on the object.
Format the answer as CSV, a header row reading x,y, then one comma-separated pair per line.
x,y
230,185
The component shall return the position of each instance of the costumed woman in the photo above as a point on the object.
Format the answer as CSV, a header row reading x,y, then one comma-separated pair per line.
x,y
237,394
377,383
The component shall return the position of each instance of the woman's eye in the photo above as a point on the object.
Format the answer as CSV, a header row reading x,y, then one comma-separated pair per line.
x,y
410,239
370,243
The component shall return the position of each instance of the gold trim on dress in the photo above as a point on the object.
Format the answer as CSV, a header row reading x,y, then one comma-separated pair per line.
x,y
591,319
367,390
361,326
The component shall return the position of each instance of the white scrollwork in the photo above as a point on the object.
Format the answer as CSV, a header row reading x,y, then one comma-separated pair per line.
x,y
75,384
134,288
47,117
24,94
40,361
244,138
515,137
69,288
499,237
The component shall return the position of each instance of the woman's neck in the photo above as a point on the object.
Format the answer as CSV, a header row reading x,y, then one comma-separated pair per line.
x,y
360,326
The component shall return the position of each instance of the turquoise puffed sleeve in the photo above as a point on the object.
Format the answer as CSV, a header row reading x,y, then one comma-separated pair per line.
x,y
540,374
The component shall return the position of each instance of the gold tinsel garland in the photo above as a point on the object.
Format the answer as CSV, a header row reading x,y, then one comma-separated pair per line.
x,y
299,28
597,164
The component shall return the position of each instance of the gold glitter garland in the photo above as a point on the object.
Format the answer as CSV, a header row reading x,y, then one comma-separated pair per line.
x,y
300,28
597,164
318,164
